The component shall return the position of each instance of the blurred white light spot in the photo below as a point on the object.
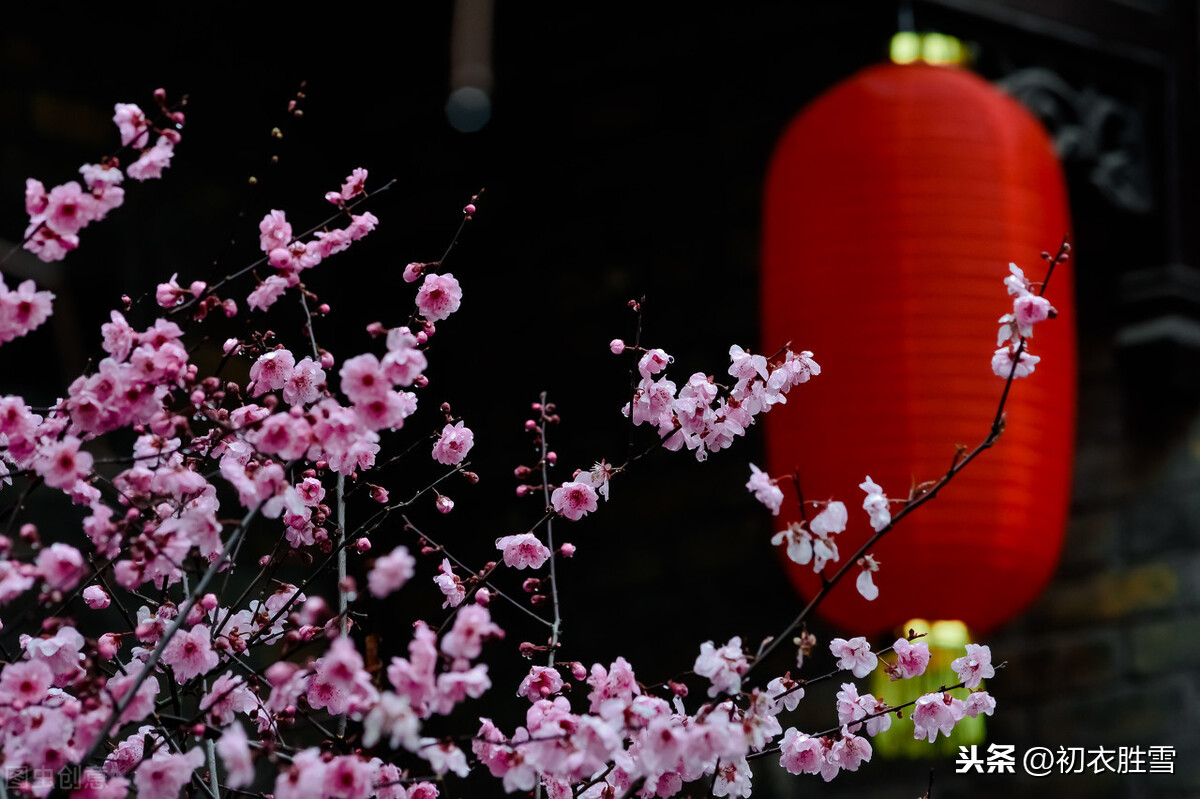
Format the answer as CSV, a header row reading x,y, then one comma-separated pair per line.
x,y
468,109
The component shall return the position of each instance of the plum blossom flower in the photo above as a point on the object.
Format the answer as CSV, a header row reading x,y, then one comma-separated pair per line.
x,y
274,231
1029,309
653,362
933,713
61,463
975,666
354,185
1016,282
865,584
190,654
95,597
574,500
850,751
271,371
69,208
393,718
438,297
363,379
732,778
472,626
303,385
723,667
164,774
390,572
979,702
832,519
24,309
764,489
523,551
1002,363
267,292
800,754
912,658
450,585
854,655
25,683
132,123
601,477
540,683
453,444
62,566
153,161
234,748
229,695
876,505
784,692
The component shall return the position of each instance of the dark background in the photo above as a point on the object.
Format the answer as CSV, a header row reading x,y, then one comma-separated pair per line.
x,y
624,157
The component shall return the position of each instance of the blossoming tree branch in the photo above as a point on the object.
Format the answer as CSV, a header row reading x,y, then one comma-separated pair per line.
x,y
203,684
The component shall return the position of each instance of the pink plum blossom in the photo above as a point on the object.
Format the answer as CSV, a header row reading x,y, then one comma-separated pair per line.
x,y
153,161
850,751
764,489
574,500
933,713
472,626
234,748
912,658
390,572
354,185
23,310
450,585
1016,282
540,683
69,208
163,775
271,371
523,551
453,444
876,505
363,379
61,463
854,655
267,292
1002,363
1029,309
865,584
653,362
96,597
274,231
979,702
25,683
438,297
975,666
62,566
723,667
132,123
190,654
303,386
800,754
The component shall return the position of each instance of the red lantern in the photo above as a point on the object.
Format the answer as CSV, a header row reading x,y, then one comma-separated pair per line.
x,y
894,205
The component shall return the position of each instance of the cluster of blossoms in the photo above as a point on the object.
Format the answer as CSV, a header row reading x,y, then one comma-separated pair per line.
x,y
815,542
57,216
631,738
289,256
703,415
181,694
1028,309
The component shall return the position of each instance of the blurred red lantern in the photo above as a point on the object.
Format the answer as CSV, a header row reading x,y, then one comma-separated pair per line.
x,y
894,204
